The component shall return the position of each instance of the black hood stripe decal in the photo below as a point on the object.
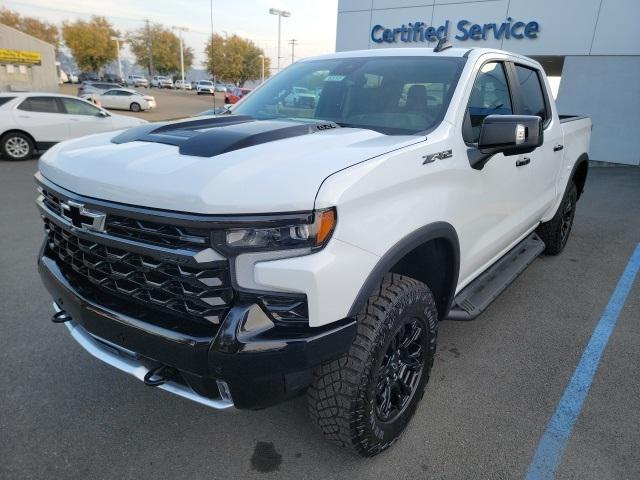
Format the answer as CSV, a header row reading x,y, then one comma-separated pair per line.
x,y
208,137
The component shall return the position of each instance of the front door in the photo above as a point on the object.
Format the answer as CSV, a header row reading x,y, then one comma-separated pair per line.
x,y
490,198
84,118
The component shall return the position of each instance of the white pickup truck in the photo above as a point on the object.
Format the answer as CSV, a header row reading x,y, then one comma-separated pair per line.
x,y
244,259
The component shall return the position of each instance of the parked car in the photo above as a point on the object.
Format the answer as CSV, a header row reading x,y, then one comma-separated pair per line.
x,y
137,81
63,78
205,86
123,99
88,88
31,122
221,87
88,77
72,77
113,78
267,254
300,97
236,94
160,81
183,85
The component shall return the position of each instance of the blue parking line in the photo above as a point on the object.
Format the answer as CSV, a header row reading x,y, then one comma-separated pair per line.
x,y
554,441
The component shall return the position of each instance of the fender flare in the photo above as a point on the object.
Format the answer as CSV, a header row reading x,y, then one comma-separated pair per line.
x,y
583,158
432,231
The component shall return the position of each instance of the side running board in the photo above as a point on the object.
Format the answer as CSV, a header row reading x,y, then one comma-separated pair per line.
x,y
479,294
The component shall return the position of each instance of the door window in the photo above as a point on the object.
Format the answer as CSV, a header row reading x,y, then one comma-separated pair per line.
x,y
489,96
78,107
40,104
531,96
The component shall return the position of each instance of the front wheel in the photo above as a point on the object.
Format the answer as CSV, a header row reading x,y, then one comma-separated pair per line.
x,y
556,231
365,399
17,146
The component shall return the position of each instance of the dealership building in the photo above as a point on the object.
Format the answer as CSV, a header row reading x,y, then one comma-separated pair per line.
x,y
26,63
592,45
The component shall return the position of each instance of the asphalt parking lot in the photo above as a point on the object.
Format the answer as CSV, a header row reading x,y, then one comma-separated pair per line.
x,y
172,104
495,384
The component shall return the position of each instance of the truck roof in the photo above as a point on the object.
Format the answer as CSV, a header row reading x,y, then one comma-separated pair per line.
x,y
411,52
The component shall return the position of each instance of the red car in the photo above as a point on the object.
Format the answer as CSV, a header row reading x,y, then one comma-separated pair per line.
x,y
235,95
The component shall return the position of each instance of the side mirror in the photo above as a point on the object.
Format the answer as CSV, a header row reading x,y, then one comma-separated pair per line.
x,y
103,114
510,134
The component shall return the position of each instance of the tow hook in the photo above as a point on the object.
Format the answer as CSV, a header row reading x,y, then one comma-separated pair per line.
x,y
60,317
162,374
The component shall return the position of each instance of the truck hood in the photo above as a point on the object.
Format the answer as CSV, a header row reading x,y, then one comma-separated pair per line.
x,y
249,176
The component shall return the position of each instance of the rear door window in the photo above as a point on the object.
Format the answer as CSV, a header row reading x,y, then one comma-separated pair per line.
x,y
41,104
531,97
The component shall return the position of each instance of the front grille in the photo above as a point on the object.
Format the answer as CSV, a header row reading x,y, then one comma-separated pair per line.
x,y
154,233
199,294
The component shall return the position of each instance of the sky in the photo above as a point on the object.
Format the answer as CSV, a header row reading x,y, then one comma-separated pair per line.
x,y
312,24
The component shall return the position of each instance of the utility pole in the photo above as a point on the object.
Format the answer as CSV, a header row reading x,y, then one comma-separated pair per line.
x,y
181,29
293,42
149,47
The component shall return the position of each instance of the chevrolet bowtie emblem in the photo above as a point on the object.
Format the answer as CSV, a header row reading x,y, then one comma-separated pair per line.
x,y
81,217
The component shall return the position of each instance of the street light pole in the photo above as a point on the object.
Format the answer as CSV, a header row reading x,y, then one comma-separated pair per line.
x,y
181,29
280,14
118,40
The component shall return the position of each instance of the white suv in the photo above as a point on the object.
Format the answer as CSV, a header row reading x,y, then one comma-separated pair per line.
x,y
205,86
160,81
31,122
137,81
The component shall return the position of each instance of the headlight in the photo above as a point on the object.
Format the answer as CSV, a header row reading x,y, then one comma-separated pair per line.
x,y
312,235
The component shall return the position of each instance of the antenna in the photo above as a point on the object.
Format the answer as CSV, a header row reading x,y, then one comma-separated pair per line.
x,y
443,44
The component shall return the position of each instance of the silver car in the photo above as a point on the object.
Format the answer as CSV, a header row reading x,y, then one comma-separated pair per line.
x,y
88,88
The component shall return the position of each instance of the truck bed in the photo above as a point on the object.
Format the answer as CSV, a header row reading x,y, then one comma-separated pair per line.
x,y
571,118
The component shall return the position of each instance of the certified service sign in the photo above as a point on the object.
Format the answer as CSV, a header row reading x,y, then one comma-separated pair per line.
x,y
465,30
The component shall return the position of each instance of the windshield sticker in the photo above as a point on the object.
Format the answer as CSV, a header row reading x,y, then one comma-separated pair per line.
x,y
334,78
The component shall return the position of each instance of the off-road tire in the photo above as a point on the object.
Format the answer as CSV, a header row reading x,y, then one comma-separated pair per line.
x,y
16,146
342,399
556,231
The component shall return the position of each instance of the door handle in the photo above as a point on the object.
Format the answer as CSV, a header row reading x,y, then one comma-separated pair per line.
x,y
523,161
557,148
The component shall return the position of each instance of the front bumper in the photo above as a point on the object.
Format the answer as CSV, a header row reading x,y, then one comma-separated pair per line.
x,y
231,368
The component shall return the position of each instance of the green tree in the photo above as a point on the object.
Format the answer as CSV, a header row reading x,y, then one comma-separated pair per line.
x,y
164,46
90,42
235,59
45,31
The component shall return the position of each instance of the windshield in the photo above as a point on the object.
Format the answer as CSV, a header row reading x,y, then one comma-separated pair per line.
x,y
205,82
392,95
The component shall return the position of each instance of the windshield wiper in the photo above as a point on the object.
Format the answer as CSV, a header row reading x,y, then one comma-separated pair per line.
x,y
349,125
